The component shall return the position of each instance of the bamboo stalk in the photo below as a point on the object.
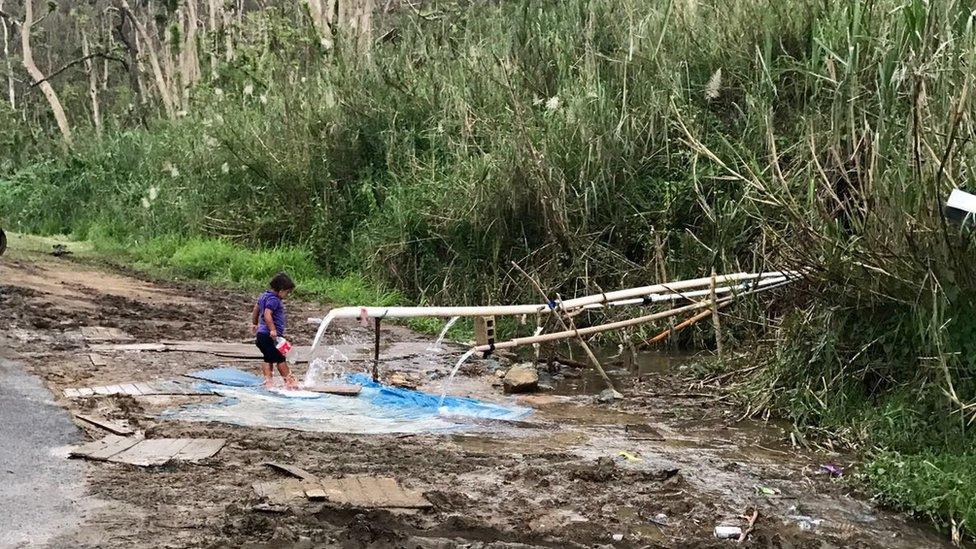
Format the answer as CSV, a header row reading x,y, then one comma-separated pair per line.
x,y
566,321
675,329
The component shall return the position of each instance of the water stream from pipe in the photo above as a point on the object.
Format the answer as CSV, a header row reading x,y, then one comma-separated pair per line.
x,y
447,384
440,338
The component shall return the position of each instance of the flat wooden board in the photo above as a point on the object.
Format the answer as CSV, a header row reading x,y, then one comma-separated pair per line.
x,y
297,472
101,333
105,448
371,492
115,427
136,450
131,389
314,490
144,388
98,360
344,389
86,392
72,393
156,451
103,348
200,449
280,491
363,491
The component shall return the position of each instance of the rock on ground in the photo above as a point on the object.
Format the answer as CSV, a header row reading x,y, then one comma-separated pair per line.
x,y
521,378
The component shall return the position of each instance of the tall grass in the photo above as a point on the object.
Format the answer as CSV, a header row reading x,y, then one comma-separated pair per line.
x,y
602,143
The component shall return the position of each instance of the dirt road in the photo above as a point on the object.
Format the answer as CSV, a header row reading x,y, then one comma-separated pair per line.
x,y
659,469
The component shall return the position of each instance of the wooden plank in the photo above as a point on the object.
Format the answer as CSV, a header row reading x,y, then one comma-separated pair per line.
x,y
85,392
313,490
71,393
144,388
115,427
368,491
200,448
102,348
100,390
98,360
130,389
291,470
148,452
280,491
114,389
104,448
344,389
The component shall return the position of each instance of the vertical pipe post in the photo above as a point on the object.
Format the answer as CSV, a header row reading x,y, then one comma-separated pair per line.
x,y
376,352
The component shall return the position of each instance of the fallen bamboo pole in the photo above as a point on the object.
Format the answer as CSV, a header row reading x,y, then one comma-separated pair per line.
x,y
677,328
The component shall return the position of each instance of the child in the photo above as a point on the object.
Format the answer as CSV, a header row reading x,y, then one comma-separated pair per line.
x,y
268,324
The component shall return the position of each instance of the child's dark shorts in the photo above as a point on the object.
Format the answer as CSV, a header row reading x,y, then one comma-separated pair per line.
x,y
268,349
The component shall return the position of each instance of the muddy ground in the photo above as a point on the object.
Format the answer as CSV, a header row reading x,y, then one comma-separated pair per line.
x,y
557,480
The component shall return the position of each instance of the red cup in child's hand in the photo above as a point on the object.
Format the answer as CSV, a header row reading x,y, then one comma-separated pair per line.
x,y
283,345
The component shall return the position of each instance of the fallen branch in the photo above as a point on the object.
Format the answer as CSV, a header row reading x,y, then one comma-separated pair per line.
x,y
752,523
68,65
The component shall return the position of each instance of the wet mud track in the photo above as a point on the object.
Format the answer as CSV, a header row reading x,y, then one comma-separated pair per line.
x,y
661,468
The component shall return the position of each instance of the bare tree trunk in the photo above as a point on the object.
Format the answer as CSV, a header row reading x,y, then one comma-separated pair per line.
x,y
107,31
189,58
228,38
11,93
92,83
171,74
38,76
138,68
212,38
323,15
355,23
164,91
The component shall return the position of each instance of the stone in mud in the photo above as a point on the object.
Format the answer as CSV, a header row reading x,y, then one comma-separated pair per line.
x,y
500,373
521,378
607,396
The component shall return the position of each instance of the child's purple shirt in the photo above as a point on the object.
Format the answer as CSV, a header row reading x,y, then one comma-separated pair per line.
x,y
269,300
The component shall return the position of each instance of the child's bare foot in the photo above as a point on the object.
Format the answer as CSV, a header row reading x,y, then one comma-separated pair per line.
x,y
291,382
268,382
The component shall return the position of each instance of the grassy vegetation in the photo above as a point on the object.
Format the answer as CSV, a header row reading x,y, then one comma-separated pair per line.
x,y
600,143
231,265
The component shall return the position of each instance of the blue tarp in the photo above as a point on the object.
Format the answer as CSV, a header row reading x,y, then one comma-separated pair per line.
x,y
378,408
423,402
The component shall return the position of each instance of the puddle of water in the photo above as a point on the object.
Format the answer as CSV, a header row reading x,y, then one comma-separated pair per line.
x,y
620,366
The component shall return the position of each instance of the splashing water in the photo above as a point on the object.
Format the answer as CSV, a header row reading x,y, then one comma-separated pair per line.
x,y
440,338
325,371
447,385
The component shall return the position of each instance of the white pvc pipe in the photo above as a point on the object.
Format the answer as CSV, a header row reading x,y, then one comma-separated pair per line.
x,y
652,292
518,342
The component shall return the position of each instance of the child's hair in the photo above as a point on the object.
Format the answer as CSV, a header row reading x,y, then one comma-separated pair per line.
x,y
281,281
